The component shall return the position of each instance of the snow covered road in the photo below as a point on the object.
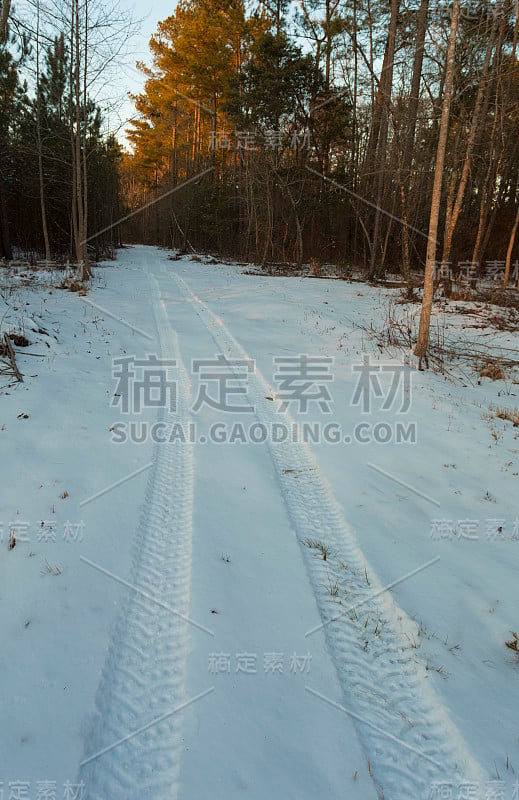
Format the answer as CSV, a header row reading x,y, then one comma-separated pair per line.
x,y
273,636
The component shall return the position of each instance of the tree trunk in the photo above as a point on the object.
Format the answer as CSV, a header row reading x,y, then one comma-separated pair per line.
x,y
453,214
386,84
74,209
5,7
5,239
406,261
39,142
428,289
509,250
86,269
495,165
414,98
77,149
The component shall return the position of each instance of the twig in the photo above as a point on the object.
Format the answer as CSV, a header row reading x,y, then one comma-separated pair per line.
x,y
12,357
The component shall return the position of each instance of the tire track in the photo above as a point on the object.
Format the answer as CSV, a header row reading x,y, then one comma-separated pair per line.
x,y
385,686
143,677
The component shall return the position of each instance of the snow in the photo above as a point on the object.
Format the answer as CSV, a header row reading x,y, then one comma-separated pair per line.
x,y
196,578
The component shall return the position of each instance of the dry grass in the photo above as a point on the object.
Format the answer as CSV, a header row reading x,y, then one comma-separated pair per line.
x,y
315,268
493,371
317,544
72,284
513,644
50,569
19,340
498,412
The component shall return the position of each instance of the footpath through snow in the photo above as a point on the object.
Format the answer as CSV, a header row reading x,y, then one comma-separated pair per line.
x,y
199,602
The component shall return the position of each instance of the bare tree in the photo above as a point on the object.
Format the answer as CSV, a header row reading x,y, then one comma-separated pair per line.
x,y
39,140
509,251
5,243
97,32
407,159
454,208
428,288
380,128
5,8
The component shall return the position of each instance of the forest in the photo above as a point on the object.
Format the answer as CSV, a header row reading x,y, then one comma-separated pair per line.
x,y
320,123
316,132
59,171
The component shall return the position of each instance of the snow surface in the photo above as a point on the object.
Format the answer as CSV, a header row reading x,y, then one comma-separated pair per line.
x,y
164,638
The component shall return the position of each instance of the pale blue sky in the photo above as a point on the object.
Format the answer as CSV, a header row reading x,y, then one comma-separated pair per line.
x,y
128,78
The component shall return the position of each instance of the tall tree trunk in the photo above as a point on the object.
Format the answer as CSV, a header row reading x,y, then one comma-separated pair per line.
x,y
495,165
39,142
509,251
77,138
354,154
428,289
74,208
406,261
5,7
412,117
414,99
86,269
380,160
487,193
378,108
5,240
453,214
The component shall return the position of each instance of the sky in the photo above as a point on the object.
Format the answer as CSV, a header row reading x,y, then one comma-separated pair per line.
x,y
128,78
